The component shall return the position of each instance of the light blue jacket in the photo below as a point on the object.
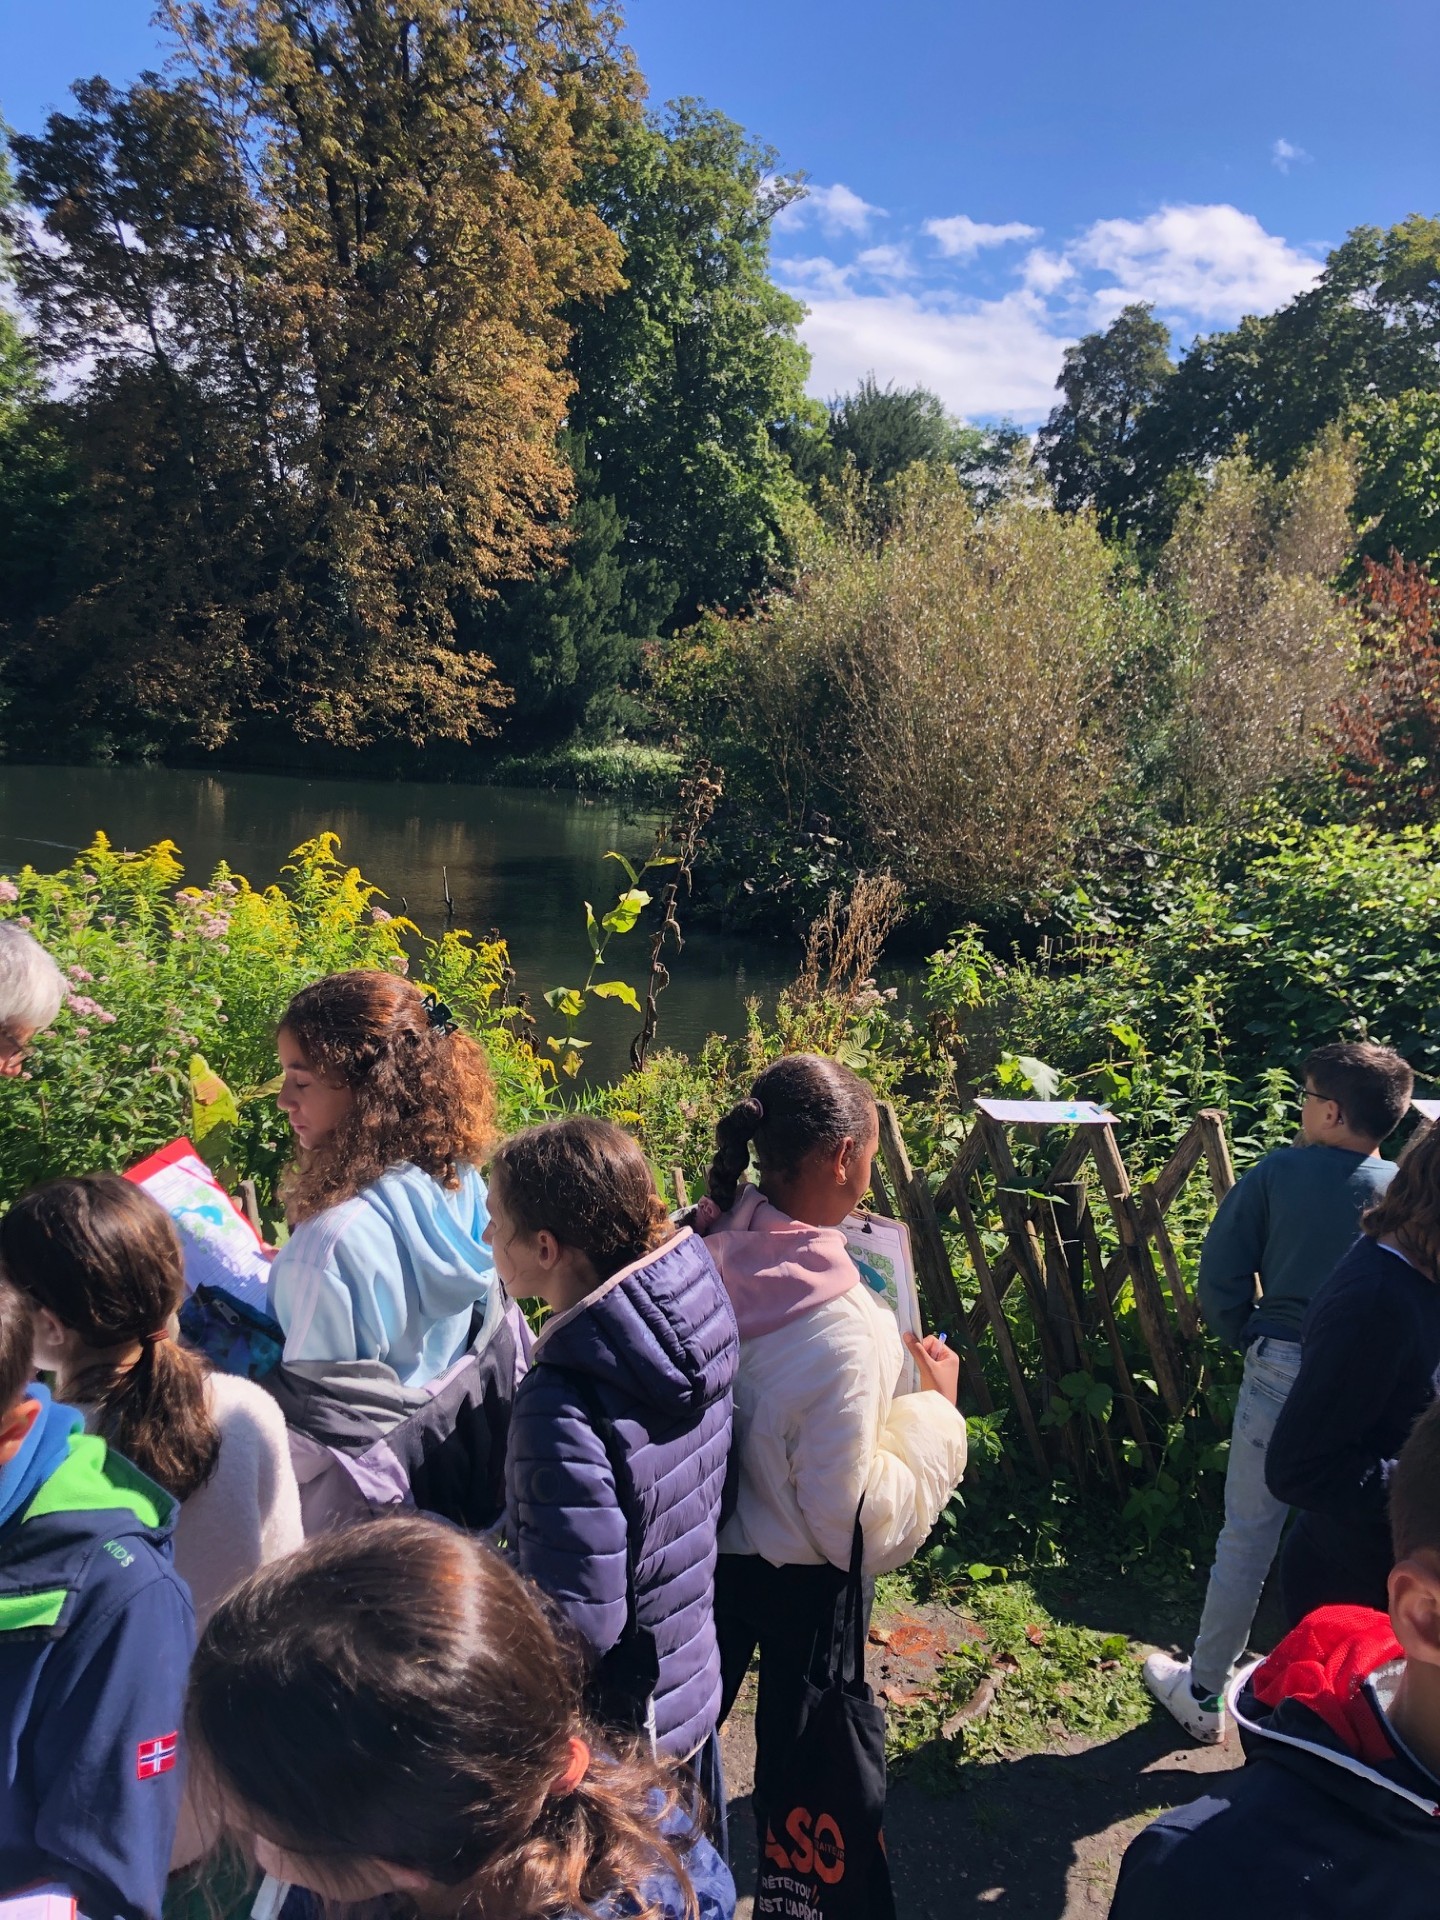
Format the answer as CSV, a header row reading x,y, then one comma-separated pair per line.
x,y
392,1274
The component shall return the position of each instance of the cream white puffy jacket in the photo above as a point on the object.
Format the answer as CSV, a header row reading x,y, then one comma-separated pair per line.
x,y
818,1424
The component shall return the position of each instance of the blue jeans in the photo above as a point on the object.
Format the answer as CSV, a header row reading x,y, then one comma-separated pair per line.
x,y
1253,1516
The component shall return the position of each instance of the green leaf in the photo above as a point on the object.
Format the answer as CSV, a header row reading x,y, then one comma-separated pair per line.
x,y
617,990
631,875
1044,1081
592,928
626,910
567,1001
212,1104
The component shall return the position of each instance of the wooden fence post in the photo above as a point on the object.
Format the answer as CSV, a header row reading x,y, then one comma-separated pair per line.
x,y
1000,1327
1153,1221
932,1262
1149,1303
1123,1379
1217,1152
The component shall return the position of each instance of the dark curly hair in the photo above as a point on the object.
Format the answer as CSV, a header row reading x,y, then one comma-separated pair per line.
x,y
394,1691
800,1102
423,1092
105,1259
588,1183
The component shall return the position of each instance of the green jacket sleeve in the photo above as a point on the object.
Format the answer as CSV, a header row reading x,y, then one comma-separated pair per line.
x,y
1232,1255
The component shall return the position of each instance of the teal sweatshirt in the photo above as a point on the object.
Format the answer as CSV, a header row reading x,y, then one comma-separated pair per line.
x,y
1291,1219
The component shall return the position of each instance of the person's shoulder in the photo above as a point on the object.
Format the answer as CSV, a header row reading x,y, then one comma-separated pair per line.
x,y
314,1241
1211,1852
240,1407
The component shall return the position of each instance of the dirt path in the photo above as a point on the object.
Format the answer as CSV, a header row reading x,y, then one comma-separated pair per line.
x,y
1041,1834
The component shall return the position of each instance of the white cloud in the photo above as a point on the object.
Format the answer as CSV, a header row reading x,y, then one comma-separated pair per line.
x,y
961,238
886,263
908,317
836,209
1044,272
1207,264
1284,155
996,358
818,272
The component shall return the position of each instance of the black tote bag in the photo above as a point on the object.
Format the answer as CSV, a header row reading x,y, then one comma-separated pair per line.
x,y
824,1855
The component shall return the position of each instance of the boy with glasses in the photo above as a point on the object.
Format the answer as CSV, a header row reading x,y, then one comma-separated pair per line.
x,y
1289,1221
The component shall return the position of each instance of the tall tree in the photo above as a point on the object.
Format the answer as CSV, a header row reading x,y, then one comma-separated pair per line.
x,y
688,373
319,281
1367,331
1109,379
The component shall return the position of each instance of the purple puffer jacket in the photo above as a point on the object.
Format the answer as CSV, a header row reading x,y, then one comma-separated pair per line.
x,y
659,1343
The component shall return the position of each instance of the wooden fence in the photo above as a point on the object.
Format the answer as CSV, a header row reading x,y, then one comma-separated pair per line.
x,y
1053,1250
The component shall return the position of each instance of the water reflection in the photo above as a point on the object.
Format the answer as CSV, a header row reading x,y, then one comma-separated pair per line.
x,y
516,860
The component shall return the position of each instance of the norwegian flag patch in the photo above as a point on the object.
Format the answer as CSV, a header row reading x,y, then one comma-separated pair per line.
x,y
154,1757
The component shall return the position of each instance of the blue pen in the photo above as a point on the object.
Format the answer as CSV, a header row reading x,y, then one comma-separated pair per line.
x,y
943,1338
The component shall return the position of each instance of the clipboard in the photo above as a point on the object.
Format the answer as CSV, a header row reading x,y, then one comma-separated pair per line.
x,y
881,1250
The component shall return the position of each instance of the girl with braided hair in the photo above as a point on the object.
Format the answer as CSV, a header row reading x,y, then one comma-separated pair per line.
x,y
820,1429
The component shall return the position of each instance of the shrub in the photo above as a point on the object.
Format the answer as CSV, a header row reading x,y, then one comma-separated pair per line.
x,y
1385,735
1259,644
940,695
160,973
1207,982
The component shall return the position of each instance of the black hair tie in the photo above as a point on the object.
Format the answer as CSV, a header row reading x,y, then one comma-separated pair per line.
x,y
438,1014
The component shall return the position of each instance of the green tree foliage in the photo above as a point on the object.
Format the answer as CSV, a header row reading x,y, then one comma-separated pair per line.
x,y
1368,330
567,642
877,433
1109,380
1399,496
688,374
316,285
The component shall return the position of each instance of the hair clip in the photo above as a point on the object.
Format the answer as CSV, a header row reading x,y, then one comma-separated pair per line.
x,y
439,1015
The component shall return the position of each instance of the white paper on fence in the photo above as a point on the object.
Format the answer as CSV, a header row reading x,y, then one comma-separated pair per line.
x,y
220,1249
880,1248
1427,1109
1047,1113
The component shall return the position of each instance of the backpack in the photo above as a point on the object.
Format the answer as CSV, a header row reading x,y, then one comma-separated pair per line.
x,y
361,1443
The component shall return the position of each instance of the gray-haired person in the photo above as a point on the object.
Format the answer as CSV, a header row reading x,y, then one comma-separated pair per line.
x,y
32,989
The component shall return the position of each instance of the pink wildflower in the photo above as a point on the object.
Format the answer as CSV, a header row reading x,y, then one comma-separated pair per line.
x,y
82,1003
82,1033
9,892
105,1019
24,920
380,916
80,973
214,925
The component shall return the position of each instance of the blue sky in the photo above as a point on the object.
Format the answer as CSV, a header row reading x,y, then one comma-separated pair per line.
x,y
990,180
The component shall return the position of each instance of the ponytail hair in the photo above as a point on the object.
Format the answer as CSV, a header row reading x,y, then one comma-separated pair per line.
x,y
105,1259
587,1182
801,1103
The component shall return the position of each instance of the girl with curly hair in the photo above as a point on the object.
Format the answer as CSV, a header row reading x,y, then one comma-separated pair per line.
x,y
392,1109
389,1716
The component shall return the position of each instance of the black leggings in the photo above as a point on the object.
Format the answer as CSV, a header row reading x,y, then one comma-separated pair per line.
x,y
793,1616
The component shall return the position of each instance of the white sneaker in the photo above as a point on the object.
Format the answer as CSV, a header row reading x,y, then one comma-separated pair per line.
x,y
1169,1681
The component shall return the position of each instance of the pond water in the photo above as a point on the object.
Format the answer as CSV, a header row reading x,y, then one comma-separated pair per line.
x,y
518,860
